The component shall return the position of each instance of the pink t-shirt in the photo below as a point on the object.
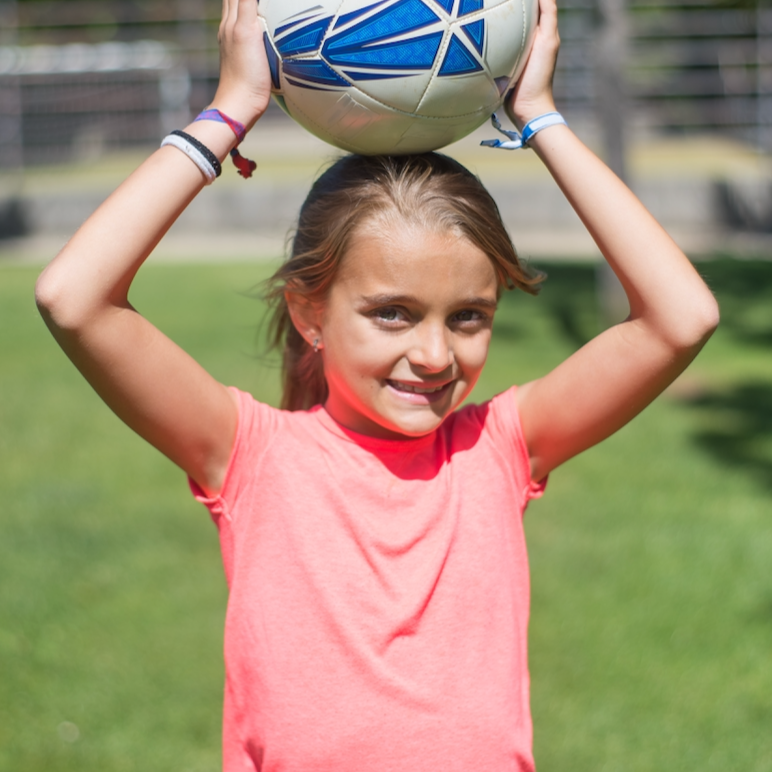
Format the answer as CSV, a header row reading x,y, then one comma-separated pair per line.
x,y
379,592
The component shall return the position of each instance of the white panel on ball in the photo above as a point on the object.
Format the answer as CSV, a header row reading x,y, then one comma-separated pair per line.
x,y
394,76
412,87
445,99
510,25
285,11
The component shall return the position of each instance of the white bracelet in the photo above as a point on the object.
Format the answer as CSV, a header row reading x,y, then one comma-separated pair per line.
x,y
541,122
517,140
194,154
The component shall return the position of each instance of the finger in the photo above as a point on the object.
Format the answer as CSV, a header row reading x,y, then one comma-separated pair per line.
x,y
224,19
245,9
229,9
548,16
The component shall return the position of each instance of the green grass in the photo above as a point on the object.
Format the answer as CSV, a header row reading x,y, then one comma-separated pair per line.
x,y
651,635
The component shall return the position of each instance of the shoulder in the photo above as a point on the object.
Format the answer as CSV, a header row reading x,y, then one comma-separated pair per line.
x,y
494,429
260,424
267,438
497,418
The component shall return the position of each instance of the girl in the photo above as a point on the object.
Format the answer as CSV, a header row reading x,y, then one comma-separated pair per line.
x,y
371,531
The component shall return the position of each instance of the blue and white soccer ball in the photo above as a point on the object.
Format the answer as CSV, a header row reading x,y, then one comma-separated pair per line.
x,y
395,76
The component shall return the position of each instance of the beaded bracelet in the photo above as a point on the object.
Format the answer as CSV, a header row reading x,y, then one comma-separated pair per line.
x,y
199,153
244,165
518,140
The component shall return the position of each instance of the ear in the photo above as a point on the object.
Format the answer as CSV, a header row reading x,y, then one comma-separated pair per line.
x,y
306,316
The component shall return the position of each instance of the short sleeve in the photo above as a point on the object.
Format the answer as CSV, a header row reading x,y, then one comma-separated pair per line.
x,y
505,419
255,427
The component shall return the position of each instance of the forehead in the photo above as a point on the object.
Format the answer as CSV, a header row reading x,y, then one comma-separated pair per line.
x,y
412,260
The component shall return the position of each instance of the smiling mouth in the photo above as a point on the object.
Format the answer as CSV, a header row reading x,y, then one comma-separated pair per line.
x,y
413,389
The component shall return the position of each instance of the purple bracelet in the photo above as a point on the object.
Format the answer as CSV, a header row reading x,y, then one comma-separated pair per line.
x,y
244,165
213,114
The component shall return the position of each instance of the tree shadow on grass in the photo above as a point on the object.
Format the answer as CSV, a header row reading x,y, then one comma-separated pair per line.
x,y
740,433
571,295
744,292
739,418
735,423
567,299
743,289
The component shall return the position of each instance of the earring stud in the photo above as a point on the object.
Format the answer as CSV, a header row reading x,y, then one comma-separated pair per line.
x,y
316,345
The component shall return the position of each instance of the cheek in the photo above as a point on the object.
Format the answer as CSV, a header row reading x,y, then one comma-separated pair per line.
x,y
472,352
357,351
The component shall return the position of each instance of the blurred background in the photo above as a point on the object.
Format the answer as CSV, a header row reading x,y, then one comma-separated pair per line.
x,y
676,96
651,555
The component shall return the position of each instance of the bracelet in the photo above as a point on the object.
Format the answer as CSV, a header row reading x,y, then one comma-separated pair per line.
x,y
199,153
212,114
517,140
541,122
244,165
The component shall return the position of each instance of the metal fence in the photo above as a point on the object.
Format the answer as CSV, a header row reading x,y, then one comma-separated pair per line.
x,y
83,76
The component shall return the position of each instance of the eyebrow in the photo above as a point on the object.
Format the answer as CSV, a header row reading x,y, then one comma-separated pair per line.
x,y
386,299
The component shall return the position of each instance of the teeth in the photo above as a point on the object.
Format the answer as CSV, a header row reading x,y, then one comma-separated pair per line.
x,y
416,389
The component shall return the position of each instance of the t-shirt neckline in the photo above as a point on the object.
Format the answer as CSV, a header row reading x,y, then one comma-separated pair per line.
x,y
365,440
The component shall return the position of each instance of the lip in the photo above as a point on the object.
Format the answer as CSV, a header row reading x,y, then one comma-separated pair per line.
x,y
418,393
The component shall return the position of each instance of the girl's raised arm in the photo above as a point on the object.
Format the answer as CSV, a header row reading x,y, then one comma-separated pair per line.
x,y
672,312
150,383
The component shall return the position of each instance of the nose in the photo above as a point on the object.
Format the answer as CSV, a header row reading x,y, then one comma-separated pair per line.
x,y
431,348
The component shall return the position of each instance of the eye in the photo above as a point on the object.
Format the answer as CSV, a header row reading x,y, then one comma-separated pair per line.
x,y
389,315
467,315
470,317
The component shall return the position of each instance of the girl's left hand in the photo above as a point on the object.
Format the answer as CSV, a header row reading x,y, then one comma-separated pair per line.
x,y
245,79
532,96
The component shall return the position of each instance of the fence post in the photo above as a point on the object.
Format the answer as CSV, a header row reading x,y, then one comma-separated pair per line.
x,y
611,108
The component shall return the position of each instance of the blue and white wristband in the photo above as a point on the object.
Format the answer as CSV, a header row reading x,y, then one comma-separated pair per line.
x,y
517,140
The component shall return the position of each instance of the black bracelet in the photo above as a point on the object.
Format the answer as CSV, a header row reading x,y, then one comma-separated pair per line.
x,y
203,149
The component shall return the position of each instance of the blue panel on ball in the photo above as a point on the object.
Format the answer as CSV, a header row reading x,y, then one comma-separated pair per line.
x,y
446,5
347,17
413,54
458,60
398,19
273,60
470,6
314,71
305,39
375,75
476,33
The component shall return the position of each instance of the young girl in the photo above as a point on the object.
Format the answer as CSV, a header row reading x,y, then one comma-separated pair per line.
x,y
372,531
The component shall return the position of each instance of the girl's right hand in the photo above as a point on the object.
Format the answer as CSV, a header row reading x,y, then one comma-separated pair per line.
x,y
532,96
245,78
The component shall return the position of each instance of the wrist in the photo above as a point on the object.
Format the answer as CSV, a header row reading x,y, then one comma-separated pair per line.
x,y
239,107
245,166
521,115
216,136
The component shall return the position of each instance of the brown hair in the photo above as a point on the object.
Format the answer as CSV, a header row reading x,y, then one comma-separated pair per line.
x,y
430,190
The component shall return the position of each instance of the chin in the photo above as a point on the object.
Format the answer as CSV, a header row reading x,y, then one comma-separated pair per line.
x,y
417,426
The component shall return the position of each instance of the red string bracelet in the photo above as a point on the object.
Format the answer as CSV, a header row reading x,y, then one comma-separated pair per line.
x,y
244,165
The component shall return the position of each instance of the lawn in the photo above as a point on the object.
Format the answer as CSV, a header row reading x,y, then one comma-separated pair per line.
x,y
651,635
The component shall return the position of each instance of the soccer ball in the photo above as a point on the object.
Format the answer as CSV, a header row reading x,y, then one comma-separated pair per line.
x,y
395,76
